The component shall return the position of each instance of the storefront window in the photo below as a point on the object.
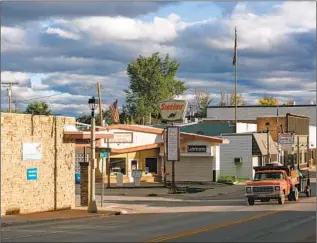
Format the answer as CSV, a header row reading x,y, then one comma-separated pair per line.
x,y
151,164
116,163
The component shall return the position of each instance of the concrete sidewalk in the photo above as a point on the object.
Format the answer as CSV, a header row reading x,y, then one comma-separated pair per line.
x,y
157,190
55,216
137,202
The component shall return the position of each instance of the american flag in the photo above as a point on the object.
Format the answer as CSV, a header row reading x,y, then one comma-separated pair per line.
x,y
114,112
235,47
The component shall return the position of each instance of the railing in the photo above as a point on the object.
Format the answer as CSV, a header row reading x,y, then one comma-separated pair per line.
x,y
83,126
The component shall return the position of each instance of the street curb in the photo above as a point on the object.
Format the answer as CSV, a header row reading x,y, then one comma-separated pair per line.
x,y
34,222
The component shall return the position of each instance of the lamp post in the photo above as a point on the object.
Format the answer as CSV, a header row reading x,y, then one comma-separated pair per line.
x,y
267,124
92,205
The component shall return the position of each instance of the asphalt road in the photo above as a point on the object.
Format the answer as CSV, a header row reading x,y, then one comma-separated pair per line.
x,y
231,221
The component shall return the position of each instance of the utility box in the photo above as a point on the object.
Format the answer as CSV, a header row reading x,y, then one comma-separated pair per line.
x,y
137,174
119,176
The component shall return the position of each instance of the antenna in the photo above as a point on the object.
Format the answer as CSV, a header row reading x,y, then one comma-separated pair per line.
x,y
9,85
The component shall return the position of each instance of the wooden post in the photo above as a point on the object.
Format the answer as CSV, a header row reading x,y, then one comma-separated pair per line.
x,y
84,183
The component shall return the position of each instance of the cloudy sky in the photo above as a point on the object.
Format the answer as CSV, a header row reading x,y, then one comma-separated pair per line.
x,y
58,51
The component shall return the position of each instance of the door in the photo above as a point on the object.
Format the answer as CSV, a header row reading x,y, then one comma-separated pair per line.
x,y
132,165
193,169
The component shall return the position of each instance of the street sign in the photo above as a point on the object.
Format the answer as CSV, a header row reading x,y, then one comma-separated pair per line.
x,y
286,138
173,110
103,154
173,142
105,150
31,174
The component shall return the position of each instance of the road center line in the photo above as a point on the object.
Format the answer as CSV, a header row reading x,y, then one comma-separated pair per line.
x,y
211,228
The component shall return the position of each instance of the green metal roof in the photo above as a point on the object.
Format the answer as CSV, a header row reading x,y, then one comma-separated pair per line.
x,y
208,129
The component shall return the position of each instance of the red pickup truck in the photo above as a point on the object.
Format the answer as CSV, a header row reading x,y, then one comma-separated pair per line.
x,y
273,182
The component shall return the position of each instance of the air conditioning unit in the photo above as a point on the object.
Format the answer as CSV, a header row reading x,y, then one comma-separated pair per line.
x,y
238,160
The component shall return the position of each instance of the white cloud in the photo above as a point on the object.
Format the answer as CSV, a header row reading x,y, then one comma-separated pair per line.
x,y
106,29
22,78
264,32
12,39
62,33
264,38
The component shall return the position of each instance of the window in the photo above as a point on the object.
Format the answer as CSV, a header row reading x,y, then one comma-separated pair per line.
x,y
268,176
116,163
151,164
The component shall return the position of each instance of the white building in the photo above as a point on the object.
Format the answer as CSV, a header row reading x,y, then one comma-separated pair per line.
x,y
245,151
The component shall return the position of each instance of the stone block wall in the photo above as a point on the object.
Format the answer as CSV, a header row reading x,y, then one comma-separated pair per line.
x,y
54,188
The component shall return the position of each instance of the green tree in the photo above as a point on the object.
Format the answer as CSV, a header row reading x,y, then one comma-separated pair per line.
x,y
38,108
152,80
267,101
106,115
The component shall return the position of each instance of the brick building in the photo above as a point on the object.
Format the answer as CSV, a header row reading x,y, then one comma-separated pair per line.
x,y
37,164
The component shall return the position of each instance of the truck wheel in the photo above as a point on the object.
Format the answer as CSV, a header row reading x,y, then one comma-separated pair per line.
x,y
251,201
281,199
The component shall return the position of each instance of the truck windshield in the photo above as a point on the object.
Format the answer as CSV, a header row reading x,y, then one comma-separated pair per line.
x,y
268,176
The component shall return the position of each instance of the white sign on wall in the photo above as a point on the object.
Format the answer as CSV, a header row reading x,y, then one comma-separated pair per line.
x,y
31,151
286,138
173,143
122,137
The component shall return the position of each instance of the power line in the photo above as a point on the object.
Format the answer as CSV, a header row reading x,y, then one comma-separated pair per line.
x,y
41,97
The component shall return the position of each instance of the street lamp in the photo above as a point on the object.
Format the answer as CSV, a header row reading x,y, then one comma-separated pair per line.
x,y
267,124
92,205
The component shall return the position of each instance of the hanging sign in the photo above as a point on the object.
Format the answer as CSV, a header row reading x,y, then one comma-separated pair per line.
x,y
286,138
173,143
173,110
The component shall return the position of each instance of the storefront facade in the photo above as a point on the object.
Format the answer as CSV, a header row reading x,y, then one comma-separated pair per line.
x,y
142,147
199,159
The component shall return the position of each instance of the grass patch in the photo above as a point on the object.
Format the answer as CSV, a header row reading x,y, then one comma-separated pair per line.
x,y
231,179
227,179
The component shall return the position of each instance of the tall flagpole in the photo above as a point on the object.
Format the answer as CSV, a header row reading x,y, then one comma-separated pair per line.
x,y
235,77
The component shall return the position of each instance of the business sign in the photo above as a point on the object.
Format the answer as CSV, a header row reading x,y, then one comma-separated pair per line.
x,y
31,174
173,110
122,137
286,138
196,148
31,151
173,143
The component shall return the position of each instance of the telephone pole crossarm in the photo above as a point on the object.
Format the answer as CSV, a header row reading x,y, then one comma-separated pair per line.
x,y
9,85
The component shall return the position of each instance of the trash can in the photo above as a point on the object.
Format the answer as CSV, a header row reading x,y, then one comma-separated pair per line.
x,y
119,178
77,178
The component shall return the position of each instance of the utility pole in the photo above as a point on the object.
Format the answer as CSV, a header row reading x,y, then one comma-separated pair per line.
x,y
9,90
268,141
235,79
101,124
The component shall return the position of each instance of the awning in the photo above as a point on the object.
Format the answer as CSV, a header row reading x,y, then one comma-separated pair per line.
x,y
261,140
70,131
